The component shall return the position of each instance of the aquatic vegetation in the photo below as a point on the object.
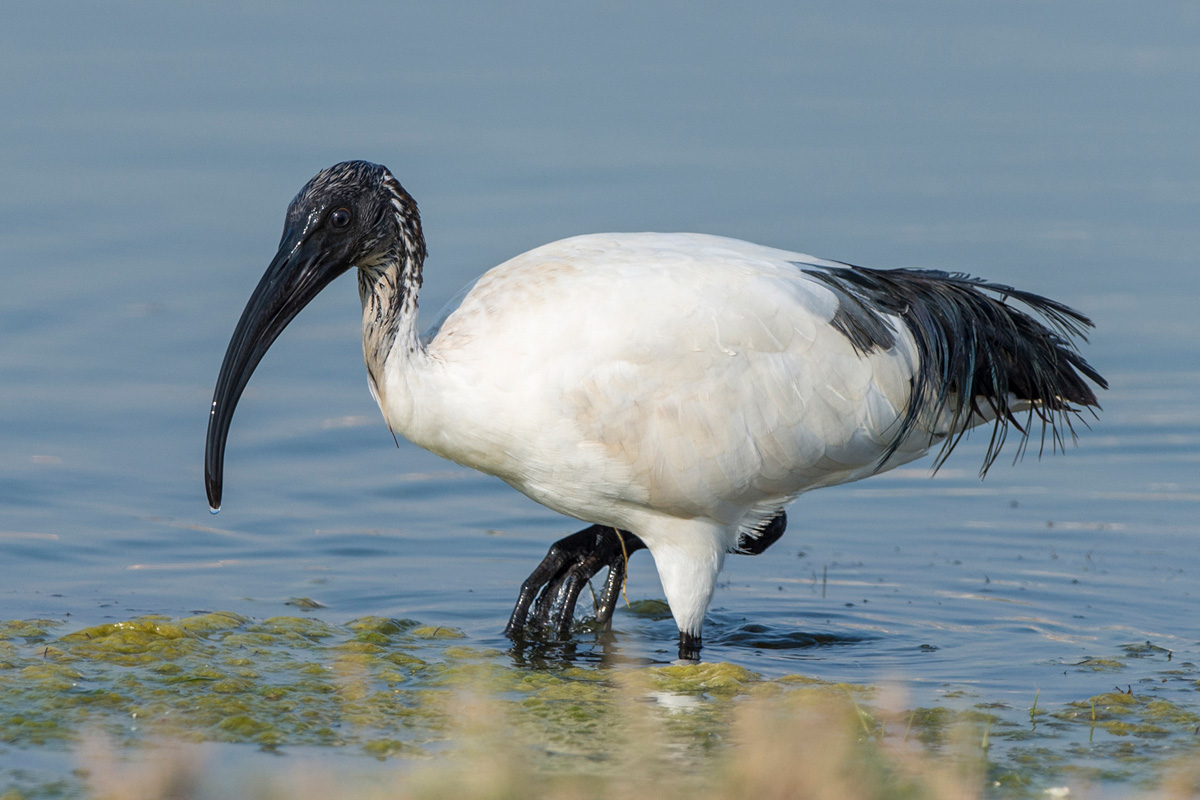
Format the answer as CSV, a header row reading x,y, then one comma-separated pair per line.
x,y
398,693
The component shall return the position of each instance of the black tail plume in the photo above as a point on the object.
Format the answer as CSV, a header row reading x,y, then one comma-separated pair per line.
x,y
974,347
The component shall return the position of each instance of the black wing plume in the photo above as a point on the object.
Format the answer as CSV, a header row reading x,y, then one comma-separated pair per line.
x,y
974,347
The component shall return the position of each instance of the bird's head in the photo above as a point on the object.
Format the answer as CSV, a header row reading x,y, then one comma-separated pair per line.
x,y
353,214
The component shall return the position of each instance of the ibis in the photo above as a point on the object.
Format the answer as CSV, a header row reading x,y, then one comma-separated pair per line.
x,y
674,391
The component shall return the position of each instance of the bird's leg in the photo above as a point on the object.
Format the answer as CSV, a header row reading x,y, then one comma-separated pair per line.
x,y
689,647
553,588
752,543
554,609
546,604
757,543
612,549
606,604
558,555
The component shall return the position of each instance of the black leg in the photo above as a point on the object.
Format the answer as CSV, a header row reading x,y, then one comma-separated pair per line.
x,y
689,647
548,596
606,604
546,604
545,572
554,610
754,543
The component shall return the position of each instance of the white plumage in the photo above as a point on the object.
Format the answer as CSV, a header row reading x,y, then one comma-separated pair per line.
x,y
675,385
683,387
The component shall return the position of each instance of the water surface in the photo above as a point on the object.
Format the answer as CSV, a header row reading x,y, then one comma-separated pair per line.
x,y
148,153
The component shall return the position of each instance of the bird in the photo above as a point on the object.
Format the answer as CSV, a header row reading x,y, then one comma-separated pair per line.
x,y
674,391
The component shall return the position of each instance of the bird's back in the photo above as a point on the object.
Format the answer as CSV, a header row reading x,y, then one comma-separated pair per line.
x,y
691,374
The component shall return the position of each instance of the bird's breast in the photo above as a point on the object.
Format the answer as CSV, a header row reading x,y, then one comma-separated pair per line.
x,y
696,382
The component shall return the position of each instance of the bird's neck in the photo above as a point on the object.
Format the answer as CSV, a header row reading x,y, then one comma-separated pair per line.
x,y
388,289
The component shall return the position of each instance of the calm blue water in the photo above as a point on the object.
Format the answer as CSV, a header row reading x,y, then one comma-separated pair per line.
x,y
147,154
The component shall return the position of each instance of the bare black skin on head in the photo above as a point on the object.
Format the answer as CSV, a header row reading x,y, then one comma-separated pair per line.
x,y
353,214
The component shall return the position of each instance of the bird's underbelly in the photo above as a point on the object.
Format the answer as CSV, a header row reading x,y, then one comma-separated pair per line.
x,y
677,459
712,434
702,472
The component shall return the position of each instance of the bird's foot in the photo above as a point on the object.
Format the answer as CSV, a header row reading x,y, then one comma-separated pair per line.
x,y
546,605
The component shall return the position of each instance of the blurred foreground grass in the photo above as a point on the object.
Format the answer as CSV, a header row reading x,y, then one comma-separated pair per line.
x,y
133,709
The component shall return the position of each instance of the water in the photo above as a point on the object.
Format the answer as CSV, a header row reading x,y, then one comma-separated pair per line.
x,y
148,153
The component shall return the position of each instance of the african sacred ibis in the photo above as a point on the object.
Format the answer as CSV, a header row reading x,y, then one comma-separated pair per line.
x,y
675,390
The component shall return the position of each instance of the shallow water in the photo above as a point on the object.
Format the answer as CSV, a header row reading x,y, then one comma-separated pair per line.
x,y
148,155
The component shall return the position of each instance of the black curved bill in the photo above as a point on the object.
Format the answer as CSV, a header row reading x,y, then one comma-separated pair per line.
x,y
297,274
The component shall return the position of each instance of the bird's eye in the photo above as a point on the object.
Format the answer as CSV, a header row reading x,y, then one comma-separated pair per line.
x,y
340,218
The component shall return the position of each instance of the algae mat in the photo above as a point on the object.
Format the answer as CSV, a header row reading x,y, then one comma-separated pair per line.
x,y
407,693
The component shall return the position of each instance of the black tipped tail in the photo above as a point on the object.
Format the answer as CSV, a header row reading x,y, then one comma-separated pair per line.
x,y
980,356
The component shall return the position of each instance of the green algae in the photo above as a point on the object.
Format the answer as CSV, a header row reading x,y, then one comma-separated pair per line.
x,y
394,688
305,603
1101,665
32,631
649,609
384,626
1145,650
207,624
717,680
1128,714
437,632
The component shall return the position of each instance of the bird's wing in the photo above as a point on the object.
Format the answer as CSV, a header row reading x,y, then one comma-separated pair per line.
x,y
706,371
